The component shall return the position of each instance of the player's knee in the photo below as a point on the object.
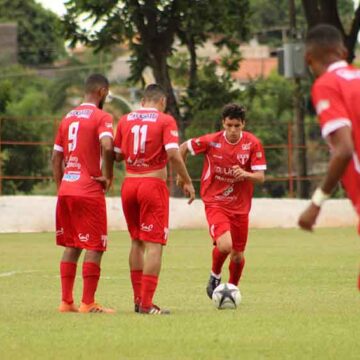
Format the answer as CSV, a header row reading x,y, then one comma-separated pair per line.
x,y
237,257
224,247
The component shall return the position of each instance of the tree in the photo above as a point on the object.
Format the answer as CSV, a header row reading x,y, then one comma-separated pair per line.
x,y
337,14
39,37
150,28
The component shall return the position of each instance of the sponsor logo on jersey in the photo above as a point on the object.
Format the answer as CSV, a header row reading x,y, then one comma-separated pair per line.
x,y
81,114
243,158
174,133
73,162
104,240
60,232
83,237
215,145
228,191
150,117
322,105
71,177
217,156
147,228
246,147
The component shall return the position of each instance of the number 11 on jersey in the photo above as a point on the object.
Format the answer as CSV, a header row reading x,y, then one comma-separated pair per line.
x,y
140,132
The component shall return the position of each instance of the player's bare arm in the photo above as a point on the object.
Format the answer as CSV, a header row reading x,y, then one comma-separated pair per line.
x,y
183,150
256,177
342,151
178,164
108,162
57,167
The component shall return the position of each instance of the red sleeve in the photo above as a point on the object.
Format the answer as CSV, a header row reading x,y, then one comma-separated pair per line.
x,y
198,145
257,157
170,134
59,141
118,138
105,127
329,107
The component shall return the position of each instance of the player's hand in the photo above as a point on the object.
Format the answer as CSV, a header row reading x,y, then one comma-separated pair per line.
x,y
104,182
189,191
308,218
179,182
239,173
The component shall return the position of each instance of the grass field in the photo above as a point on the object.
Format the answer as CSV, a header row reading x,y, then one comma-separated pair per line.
x,y
299,301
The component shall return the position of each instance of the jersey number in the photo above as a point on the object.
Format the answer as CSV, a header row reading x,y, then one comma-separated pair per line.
x,y
73,130
140,133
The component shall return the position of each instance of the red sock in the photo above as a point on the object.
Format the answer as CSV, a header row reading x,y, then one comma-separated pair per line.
x,y
67,274
91,275
218,259
148,287
235,270
136,276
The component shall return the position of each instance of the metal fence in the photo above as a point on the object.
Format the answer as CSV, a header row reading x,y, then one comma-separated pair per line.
x,y
21,150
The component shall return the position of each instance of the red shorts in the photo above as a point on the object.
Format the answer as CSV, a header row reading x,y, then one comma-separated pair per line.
x,y
145,203
81,222
220,221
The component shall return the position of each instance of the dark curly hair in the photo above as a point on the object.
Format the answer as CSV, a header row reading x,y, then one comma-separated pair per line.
x,y
233,111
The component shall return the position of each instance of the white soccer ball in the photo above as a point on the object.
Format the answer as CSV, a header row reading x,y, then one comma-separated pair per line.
x,y
226,296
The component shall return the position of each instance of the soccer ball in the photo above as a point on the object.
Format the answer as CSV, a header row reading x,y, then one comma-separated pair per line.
x,y
226,296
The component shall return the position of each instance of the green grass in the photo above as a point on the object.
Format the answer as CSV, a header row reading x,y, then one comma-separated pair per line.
x,y
299,301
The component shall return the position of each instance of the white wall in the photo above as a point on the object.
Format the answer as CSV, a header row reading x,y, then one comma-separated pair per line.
x,y
37,213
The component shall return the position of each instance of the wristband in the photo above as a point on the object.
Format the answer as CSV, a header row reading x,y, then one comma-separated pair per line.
x,y
319,197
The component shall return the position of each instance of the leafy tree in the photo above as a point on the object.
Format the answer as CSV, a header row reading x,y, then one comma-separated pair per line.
x,y
39,36
340,14
150,28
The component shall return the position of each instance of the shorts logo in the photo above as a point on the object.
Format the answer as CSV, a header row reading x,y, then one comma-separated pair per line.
x,y
104,240
60,232
84,237
147,228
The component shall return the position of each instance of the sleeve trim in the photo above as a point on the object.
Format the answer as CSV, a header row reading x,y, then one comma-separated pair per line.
x,y
190,148
171,146
334,125
58,148
106,133
258,167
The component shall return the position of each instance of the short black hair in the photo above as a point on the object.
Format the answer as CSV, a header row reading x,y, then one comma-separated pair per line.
x,y
233,111
325,36
154,92
95,82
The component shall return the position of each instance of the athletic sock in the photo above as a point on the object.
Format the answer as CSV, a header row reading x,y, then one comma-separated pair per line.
x,y
235,270
91,275
218,259
148,287
136,277
67,274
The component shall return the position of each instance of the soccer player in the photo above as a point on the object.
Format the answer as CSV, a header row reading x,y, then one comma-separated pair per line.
x,y
84,140
336,97
234,161
147,139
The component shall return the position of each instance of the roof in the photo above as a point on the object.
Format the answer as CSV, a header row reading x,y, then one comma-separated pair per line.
x,y
255,68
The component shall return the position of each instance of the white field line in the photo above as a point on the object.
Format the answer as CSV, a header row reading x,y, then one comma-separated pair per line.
x,y
16,272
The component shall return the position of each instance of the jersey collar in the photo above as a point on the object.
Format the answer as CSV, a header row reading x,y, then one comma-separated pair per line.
x,y
148,108
88,104
337,65
224,134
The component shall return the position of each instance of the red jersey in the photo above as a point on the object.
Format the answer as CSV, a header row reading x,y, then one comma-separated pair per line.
x,y
78,137
219,188
336,97
143,136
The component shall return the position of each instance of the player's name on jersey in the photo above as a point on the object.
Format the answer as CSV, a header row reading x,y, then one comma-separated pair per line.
x,y
81,114
148,116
